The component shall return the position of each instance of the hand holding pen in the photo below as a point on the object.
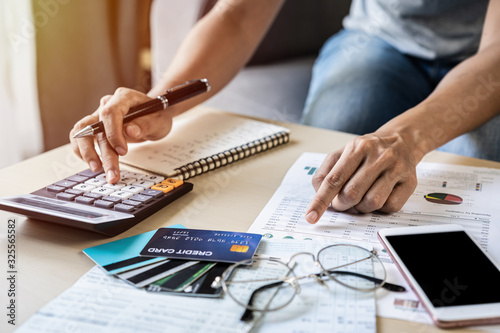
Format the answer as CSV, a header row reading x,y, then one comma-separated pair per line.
x,y
127,116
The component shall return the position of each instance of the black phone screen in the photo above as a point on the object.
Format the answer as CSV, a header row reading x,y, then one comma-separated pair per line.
x,y
449,267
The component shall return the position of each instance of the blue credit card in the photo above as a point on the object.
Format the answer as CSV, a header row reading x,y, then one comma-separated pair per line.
x,y
208,245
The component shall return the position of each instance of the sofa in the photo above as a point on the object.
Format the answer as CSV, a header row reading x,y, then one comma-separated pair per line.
x,y
275,82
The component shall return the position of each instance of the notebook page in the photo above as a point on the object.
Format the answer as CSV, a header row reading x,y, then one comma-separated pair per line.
x,y
192,139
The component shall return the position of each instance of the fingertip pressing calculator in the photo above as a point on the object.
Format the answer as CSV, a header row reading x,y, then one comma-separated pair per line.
x,y
86,201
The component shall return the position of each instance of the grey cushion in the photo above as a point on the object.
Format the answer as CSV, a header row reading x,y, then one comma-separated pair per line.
x,y
274,91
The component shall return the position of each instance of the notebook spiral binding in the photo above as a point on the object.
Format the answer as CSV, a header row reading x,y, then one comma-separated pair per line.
x,y
231,155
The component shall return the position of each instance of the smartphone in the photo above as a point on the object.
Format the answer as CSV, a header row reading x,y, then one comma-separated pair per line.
x,y
455,279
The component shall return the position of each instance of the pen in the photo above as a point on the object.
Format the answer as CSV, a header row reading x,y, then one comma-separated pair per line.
x,y
172,96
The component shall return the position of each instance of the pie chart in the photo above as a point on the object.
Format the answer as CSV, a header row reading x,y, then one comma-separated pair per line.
x,y
443,198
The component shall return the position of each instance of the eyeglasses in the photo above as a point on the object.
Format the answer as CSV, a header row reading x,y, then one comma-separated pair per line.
x,y
267,284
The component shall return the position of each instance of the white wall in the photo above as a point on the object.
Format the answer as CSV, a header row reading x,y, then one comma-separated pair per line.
x,y
20,125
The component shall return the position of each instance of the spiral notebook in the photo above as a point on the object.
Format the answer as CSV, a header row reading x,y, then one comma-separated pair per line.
x,y
203,143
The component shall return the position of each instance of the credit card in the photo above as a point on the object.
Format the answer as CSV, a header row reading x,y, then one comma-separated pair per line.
x,y
157,272
137,271
123,254
201,287
181,280
204,245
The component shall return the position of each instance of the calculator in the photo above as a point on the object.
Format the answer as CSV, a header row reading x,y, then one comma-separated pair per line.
x,y
86,201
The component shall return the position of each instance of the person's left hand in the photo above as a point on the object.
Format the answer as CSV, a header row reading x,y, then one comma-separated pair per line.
x,y
372,172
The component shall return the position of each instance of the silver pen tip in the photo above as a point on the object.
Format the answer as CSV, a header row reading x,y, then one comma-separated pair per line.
x,y
87,131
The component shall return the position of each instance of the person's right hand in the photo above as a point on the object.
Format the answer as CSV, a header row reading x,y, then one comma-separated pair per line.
x,y
113,142
373,172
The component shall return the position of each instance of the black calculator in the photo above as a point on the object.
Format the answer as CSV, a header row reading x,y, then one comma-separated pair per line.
x,y
86,201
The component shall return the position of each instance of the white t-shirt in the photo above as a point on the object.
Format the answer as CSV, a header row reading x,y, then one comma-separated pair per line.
x,y
428,29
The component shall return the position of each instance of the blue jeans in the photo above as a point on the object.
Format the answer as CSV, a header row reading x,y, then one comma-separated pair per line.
x,y
360,82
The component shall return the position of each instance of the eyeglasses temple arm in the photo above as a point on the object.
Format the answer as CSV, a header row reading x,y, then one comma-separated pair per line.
x,y
248,314
386,285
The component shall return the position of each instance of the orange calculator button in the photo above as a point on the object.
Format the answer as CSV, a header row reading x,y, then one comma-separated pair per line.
x,y
162,187
173,182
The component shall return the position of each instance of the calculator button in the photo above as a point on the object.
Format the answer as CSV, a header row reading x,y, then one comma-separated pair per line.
x,y
135,175
122,195
133,189
73,191
173,182
112,199
84,187
162,187
65,183
93,195
65,196
54,188
103,204
127,180
144,183
96,182
77,178
136,204
152,193
84,200
90,174
124,208
156,179
103,190
114,187
142,198
101,176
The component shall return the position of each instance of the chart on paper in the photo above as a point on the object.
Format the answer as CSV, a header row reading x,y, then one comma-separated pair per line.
x,y
289,215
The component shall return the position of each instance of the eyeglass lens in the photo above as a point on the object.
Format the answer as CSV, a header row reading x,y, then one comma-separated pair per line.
x,y
352,266
260,286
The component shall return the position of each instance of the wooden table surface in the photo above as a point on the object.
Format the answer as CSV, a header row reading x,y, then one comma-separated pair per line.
x,y
49,256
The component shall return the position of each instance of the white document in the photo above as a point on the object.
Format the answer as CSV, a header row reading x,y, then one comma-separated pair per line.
x,y
473,203
99,302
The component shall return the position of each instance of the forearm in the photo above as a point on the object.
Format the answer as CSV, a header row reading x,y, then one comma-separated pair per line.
x,y
465,99
218,46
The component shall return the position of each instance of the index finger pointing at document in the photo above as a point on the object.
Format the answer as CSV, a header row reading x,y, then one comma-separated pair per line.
x,y
372,172
328,182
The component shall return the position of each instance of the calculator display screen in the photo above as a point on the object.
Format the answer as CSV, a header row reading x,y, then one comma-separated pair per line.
x,y
449,267
59,208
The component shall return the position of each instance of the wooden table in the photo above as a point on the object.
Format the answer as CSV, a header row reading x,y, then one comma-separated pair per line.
x,y
49,256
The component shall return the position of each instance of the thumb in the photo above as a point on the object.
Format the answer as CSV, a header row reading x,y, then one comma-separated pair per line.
x,y
151,127
133,132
